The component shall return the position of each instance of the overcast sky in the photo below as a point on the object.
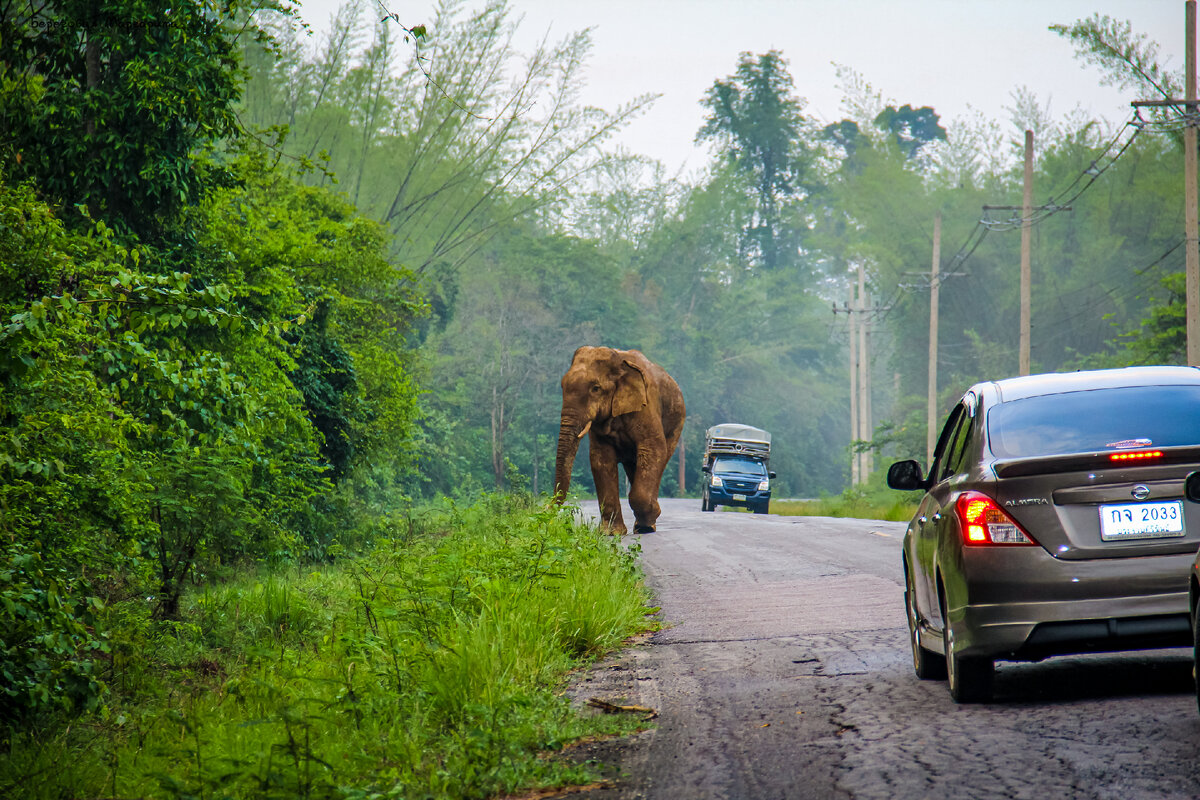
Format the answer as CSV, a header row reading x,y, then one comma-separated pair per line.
x,y
953,55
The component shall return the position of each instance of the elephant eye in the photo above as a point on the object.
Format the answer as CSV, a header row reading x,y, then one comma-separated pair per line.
x,y
595,388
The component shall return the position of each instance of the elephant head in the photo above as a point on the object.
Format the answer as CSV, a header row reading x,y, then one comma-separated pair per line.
x,y
601,384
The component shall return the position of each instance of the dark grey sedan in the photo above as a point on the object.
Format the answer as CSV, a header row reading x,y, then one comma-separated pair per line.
x,y
1053,522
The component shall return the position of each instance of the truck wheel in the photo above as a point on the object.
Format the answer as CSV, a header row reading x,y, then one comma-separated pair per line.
x,y
705,503
761,509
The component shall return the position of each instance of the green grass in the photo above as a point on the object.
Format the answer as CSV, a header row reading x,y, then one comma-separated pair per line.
x,y
897,511
872,501
431,666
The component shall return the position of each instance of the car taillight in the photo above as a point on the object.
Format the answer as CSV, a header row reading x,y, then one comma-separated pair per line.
x,y
983,522
1140,455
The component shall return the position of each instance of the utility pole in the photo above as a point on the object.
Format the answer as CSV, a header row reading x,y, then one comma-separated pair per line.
x,y
1026,233
1191,246
935,278
865,427
934,286
1190,215
861,422
852,311
1026,208
682,463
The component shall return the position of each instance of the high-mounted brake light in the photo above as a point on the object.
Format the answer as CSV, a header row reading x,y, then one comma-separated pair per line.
x,y
985,523
1140,455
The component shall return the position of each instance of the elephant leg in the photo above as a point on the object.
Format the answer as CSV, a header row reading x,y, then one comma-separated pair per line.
x,y
643,488
604,472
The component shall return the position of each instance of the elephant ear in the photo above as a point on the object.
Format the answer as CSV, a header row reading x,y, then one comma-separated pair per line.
x,y
631,394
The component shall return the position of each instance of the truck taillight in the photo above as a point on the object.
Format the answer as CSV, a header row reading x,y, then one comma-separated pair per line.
x,y
985,523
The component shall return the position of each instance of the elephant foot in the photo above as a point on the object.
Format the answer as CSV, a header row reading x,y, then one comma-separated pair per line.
x,y
643,529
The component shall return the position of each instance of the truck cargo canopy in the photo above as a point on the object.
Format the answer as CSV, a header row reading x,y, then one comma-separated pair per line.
x,y
734,430
735,438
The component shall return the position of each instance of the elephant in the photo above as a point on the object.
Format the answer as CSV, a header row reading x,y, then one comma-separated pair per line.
x,y
633,413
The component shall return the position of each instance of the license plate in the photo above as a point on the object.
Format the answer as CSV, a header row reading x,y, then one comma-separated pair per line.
x,y
740,497
1141,521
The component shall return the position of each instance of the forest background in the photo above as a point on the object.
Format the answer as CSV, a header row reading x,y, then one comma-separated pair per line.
x,y
728,280
259,299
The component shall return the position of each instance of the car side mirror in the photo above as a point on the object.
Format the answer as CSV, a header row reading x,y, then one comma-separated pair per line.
x,y
906,476
706,468
1191,487
771,475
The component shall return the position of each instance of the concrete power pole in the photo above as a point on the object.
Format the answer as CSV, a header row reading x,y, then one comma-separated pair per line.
x,y
1026,231
931,429
682,464
852,310
1190,215
1192,245
864,377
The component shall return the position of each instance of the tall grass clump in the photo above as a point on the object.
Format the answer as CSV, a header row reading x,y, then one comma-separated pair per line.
x,y
429,666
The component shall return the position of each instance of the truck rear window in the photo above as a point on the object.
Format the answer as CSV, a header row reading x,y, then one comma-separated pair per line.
x,y
1095,421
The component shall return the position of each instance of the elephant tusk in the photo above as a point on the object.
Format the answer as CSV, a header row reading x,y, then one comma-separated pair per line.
x,y
586,428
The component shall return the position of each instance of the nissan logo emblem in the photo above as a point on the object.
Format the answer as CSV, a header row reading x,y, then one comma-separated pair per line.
x,y
1141,492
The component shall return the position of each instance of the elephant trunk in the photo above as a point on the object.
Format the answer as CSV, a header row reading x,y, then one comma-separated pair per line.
x,y
569,434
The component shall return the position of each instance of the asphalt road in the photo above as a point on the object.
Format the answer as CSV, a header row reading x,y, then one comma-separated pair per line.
x,y
783,671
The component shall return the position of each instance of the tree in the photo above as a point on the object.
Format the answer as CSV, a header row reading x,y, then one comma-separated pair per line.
x,y
107,105
911,128
755,122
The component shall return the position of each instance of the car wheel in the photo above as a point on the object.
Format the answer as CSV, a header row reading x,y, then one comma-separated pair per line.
x,y
970,678
760,509
928,665
1196,653
706,503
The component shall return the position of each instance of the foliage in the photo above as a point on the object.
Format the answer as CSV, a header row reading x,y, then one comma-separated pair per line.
x,y
1129,60
756,123
105,105
446,143
429,667
869,500
911,128
49,650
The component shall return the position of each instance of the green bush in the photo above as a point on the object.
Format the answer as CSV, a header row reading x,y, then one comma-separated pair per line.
x,y
48,647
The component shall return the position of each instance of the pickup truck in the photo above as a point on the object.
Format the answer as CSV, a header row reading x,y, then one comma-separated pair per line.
x,y
736,459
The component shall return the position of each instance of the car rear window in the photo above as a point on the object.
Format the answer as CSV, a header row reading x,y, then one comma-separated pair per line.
x,y
1096,420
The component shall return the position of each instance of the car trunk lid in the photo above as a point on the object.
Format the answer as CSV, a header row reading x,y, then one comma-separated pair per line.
x,y
1059,500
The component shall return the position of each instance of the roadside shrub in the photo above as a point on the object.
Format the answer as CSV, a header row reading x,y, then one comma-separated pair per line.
x,y
48,645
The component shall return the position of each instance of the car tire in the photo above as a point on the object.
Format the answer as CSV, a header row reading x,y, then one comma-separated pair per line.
x,y
928,665
969,677
706,503
1196,652
760,509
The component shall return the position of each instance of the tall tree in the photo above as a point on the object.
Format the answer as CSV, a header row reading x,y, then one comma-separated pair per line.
x,y
755,121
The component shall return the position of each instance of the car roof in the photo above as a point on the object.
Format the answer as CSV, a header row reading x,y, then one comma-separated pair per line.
x,y
1086,380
